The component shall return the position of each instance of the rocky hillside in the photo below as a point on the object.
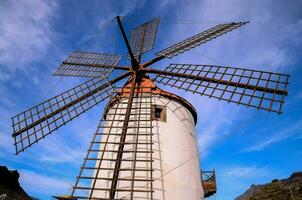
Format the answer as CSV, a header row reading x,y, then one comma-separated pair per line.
x,y
286,189
9,185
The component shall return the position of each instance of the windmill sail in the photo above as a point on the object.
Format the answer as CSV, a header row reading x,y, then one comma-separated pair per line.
x,y
37,122
199,39
88,64
142,38
124,161
253,88
134,179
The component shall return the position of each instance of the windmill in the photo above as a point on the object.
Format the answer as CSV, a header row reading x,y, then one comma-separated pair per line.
x,y
144,146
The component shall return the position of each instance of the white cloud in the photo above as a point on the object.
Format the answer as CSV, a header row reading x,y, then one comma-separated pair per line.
x,y
6,142
214,119
259,44
35,80
5,99
163,4
65,146
101,28
236,179
244,172
131,6
25,31
253,44
57,152
293,129
39,183
4,75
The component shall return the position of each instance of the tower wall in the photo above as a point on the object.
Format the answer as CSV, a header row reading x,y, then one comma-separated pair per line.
x,y
177,154
176,171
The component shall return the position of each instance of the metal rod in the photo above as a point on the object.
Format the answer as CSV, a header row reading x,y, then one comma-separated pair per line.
x,y
122,140
154,60
133,60
212,80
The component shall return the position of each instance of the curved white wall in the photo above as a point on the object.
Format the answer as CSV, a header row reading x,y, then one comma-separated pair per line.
x,y
176,164
178,153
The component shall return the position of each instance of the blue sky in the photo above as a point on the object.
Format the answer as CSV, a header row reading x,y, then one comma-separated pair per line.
x,y
243,145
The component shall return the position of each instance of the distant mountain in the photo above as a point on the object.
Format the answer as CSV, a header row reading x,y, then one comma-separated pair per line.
x,y
286,189
10,186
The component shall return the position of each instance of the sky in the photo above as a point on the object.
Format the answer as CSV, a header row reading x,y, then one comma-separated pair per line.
x,y
244,146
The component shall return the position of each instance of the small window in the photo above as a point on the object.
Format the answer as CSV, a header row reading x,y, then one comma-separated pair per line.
x,y
159,113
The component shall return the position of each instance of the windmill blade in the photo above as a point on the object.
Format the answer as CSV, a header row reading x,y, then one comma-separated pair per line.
x,y
37,122
252,88
142,38
198,39
88,64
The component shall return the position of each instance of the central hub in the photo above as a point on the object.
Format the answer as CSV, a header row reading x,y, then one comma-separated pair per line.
x,y
135,65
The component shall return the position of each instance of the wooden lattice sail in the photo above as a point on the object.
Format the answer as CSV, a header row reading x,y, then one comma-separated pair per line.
x,y
145,146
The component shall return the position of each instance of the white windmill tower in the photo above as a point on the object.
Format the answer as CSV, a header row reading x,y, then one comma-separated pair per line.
x,y
145,145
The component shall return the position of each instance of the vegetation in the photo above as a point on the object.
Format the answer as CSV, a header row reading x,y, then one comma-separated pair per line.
x,y
286,189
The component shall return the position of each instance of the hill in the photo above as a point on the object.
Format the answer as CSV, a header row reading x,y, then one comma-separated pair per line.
x,y
9,185
286,189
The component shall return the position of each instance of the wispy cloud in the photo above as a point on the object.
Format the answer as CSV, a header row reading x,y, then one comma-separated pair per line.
x,y
67,145
58,152
102,25
38,183
293,129
6,142
261,43
5,97
236,179
244,172
212,127
25,32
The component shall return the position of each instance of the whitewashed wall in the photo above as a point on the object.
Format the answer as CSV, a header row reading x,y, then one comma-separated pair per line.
x,y
176,164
